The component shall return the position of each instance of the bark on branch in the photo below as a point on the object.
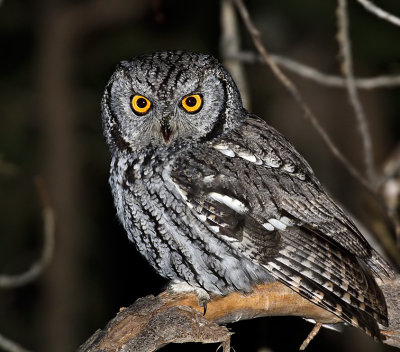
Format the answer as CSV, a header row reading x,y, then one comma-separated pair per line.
x,y
152,322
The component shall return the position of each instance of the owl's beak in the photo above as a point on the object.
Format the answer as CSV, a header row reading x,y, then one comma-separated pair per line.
x,y
166,132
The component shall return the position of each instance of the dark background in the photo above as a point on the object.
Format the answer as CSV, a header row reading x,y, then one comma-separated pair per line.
x,y
56,57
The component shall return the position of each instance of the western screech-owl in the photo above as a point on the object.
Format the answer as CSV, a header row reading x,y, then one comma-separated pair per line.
x,y
215,198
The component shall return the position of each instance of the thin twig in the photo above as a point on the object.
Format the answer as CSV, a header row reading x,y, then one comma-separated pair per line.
x,y
347,70
10,346
12,281
389,186
308,114
230,45
369,6
310,336
391,167
318,76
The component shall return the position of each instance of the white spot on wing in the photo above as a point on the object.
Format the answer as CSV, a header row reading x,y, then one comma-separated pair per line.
x,y
220,146
230,202
248,157
268,226
229,238
209,179
285,220
288,167
202,217
272,161
227,152
224,149
277,224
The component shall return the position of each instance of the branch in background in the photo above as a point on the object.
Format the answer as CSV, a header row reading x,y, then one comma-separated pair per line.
x,y
292,89
311,335
347,70
152,322
229,46
390,189
318,76
369,6
307,113
12,281
10,346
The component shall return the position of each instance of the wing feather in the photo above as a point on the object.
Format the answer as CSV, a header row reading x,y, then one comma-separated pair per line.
x,y
263,196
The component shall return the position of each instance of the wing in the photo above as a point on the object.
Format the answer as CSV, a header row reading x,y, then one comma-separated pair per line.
x,y
253,188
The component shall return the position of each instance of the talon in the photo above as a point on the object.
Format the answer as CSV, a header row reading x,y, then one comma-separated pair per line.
x,y
204,308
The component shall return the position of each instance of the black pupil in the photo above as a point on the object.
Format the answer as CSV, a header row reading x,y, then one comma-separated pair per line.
x,y
191,101
141,103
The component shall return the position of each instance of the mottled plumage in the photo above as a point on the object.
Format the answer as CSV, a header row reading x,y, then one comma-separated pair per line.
x,y
214,197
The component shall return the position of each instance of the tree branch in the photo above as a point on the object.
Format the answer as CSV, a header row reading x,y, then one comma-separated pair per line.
x,y
229,46
12,281
294,92
311,335
151,322
347,70
10,346
369,6
390,190
318,76
36,269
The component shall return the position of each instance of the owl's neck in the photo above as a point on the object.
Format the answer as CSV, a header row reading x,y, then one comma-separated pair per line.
x,y
153,150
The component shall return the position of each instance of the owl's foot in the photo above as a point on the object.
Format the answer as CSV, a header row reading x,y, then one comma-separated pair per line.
x,y
178,286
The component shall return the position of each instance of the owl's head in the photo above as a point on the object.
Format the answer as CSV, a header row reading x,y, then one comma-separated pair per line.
x,y
166,97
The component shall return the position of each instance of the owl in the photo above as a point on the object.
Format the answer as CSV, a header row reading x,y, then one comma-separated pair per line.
x,y
218,201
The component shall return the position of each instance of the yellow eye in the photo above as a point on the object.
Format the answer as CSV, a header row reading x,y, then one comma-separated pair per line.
x,y
140,104
192,103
